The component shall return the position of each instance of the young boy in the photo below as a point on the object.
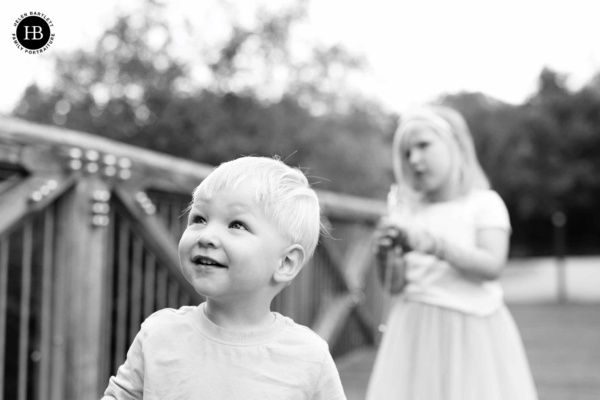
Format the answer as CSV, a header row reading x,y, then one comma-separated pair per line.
x,y
254,222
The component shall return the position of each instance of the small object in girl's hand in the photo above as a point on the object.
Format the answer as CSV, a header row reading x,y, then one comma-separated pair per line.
x,y
400,239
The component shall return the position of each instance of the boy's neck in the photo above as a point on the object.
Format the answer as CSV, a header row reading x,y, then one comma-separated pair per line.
x,y
246,317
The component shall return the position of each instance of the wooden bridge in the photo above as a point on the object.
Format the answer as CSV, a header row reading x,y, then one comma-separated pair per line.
x,y
88,248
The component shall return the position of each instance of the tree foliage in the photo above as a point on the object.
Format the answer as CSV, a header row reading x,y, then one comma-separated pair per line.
x,y
257,97
131,89
542,156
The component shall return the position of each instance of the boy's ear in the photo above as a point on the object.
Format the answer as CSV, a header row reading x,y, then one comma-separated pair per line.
x,y
291,264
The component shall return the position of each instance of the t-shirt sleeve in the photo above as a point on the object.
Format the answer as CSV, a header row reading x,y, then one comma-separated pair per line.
x,y
128,384
329,385
491,212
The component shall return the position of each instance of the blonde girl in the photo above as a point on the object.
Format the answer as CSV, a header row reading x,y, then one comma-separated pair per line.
x,y
449,335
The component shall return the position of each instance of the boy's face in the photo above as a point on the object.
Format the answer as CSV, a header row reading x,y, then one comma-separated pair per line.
x,y
230,248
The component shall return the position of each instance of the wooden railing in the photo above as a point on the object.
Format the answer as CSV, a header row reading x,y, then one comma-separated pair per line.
x,y
88,249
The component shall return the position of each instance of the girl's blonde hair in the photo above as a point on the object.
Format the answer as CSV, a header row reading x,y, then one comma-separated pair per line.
x,y
453,128
283,192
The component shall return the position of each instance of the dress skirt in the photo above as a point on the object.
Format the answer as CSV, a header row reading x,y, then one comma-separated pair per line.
x,y
435,353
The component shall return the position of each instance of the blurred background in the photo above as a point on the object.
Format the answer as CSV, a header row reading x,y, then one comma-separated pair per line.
x,y
323,84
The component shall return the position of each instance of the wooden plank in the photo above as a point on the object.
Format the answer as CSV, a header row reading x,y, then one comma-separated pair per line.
x,y
9,153
175,226
332,317
122,295
353,266
34,135
159,170
351,208
34,158
156,237
3,302
16,203
149,284
46,317
82,251
173,294
25,310
161,289
336,258
135,303
108,303
358,258
60,314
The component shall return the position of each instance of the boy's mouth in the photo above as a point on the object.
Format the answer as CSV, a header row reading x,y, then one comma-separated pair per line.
x,y
206,261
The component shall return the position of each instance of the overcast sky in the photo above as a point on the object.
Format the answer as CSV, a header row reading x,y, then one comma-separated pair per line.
x,y
416,49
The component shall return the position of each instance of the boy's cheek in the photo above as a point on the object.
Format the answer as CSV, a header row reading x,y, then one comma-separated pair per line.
x,y
185,243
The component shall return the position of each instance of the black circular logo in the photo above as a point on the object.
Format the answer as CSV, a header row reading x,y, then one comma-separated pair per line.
x,y
33,32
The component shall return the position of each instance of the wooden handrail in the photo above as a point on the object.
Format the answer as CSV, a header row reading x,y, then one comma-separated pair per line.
x,y
15,130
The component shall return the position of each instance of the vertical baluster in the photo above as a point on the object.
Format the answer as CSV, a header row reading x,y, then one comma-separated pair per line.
x,y
109,302
184,298
173,294
149,284
306,289
46,322
25,310
121,323
158,204
135,302
58,369
320,281
183,217
3,302
161,288
173,224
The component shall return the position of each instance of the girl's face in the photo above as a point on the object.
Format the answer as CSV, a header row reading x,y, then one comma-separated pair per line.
x,y
231,249
429,162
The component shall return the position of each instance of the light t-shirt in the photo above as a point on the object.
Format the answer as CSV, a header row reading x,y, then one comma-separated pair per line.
x,y
181,354
434,281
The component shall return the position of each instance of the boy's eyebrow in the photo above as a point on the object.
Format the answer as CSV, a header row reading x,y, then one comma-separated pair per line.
x,y
240,208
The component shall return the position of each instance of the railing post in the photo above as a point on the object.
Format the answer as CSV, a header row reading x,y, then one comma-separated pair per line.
x,y
82,258
559,221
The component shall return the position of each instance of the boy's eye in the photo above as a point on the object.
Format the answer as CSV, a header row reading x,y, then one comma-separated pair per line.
x,y
196,219
238,225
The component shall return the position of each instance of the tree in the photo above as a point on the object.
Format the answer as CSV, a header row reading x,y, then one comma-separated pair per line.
x,y
541,157
134,88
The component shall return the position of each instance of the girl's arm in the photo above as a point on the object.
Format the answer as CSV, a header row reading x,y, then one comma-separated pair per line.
x,y
485,261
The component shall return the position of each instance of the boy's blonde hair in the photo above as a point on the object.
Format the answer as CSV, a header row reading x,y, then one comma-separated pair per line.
x,y
452,127
283,192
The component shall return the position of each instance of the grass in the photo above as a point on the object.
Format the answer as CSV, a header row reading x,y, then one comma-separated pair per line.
x,y
563,346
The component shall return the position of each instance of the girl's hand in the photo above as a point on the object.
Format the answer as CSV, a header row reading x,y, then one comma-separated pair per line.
x,y
421,241
388,236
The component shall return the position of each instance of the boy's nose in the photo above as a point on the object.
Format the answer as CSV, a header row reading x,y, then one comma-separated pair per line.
x,y
208,238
